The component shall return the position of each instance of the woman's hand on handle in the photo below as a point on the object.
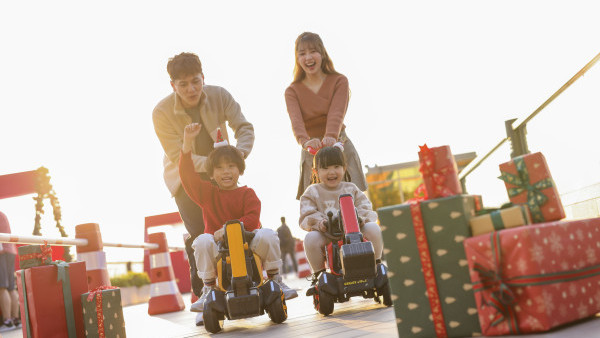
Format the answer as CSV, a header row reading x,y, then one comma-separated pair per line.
x,y
328,141
314,143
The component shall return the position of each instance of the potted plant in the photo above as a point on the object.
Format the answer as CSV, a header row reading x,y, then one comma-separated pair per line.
x,y
135,287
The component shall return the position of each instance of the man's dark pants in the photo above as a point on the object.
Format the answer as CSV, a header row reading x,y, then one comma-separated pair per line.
x,y
191,214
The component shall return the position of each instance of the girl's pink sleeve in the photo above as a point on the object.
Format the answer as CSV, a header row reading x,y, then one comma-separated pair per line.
x,y
293,108
198,189
338,107
251,218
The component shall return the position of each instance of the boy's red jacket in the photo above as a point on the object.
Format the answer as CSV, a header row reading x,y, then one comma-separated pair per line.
x,y
219,206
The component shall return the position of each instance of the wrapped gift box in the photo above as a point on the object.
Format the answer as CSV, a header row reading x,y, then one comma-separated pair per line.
x,y
430,285
34,255
439,172
533,278
500,219
42,292
103,306
528,181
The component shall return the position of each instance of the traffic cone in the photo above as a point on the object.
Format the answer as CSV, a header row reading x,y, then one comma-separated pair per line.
x,y
93,255
303,267
164,293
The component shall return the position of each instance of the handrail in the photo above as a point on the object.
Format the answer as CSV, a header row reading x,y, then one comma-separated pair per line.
x,y
524,120
64,241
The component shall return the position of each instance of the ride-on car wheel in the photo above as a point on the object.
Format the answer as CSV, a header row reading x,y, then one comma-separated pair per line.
x,y
212,323
386,293
326,302
278,310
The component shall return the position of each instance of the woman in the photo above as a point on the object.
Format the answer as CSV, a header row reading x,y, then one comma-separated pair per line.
x,y
317,101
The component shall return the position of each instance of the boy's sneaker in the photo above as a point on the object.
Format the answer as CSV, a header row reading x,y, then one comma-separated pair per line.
x,y
8,323
16,321
314,280
198,305
288,292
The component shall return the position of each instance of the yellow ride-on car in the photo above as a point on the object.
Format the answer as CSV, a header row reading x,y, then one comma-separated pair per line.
x,y
242,292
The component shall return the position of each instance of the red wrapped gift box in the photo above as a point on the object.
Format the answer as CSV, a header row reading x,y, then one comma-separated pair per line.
x,y
531,279
439,172
45,303
528,181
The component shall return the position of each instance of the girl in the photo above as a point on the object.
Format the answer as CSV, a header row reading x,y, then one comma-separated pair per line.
x,y
329,168
317,101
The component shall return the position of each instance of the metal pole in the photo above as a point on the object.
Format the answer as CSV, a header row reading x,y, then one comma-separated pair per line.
x,y
64,241
148,246
28,239
518,140
523,121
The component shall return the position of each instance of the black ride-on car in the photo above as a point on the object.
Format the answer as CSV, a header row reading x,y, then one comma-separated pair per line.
x,y
353,270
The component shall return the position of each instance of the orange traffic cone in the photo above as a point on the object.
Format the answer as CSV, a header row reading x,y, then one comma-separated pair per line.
x,y
93,255
303,266
164,293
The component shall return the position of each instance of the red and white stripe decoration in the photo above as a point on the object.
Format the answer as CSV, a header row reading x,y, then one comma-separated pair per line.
x,y
164,293
303,267
93,255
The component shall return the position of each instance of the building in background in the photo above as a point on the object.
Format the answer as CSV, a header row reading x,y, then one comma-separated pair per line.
x,y
396,183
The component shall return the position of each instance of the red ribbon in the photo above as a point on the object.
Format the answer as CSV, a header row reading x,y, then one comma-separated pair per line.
x,y
46,253
438,177
97,292
430,284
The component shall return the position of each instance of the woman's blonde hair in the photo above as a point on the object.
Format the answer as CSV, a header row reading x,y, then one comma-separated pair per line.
x,y
312,40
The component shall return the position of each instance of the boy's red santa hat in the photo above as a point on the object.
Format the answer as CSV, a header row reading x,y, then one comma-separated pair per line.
x,y
220,141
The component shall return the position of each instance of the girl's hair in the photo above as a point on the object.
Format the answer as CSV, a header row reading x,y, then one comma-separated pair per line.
x,y
312,40
229,153
325,157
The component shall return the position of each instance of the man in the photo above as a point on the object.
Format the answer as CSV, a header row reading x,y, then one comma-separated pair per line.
x,y
194,102
287,244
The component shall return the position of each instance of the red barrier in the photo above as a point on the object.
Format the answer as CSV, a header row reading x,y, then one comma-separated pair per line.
x,y
13,185
181,266
93,255
303,266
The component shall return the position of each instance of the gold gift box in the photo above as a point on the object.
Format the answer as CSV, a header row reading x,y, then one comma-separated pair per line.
x,y
501,219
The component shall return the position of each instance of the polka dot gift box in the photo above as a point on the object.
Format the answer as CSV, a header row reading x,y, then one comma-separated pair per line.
x,y
533,278
429,276
103,313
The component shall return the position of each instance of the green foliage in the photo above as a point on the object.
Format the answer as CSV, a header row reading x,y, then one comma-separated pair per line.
x,y
130,279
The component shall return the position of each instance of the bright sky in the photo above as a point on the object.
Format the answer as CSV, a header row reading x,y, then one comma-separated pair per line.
x,y
79,82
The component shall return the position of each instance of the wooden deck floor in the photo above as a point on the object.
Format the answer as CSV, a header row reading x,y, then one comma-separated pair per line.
x,y
356,318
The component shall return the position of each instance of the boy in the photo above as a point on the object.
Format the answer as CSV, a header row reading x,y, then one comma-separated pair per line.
x,y
221,203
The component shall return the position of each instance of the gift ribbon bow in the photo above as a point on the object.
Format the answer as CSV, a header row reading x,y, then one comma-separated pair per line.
x,y
97,292
535,197
438,177
501,297
46,253
428,273
63,276
499,288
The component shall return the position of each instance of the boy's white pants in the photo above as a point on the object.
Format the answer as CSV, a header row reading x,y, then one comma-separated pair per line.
x,y
265,244
315,241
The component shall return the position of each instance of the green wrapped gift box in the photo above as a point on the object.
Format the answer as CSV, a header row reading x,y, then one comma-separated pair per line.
x,y
445,225
106,306
34,255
